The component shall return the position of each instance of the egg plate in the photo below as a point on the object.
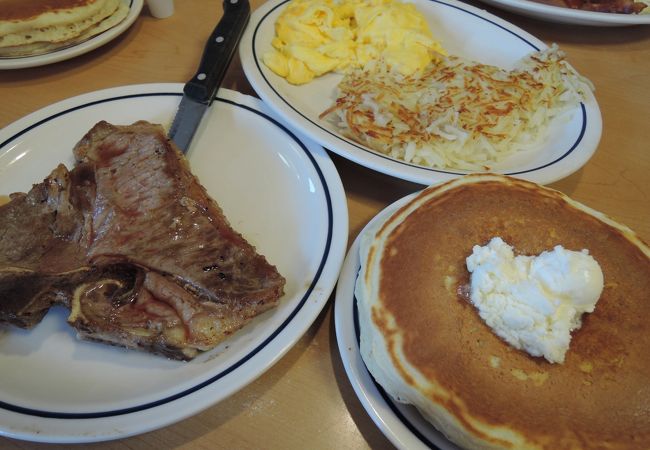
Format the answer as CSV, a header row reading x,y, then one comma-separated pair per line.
x,y
571,141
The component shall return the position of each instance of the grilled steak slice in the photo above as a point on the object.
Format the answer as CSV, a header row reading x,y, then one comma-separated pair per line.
x,y
151,210
608,6
26,296
132,243
41,230
40,238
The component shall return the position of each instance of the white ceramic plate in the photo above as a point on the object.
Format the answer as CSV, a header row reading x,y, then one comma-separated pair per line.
x,y
401,424
280,191
560,14
463,30
78,49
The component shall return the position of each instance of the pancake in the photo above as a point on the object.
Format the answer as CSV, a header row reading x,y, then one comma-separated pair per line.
x,y
426,345
30,27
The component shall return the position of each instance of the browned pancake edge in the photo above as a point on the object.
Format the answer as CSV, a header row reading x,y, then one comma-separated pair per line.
x,y
489,392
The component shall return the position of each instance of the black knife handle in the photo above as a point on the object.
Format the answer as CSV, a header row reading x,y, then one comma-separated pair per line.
x,y
218,51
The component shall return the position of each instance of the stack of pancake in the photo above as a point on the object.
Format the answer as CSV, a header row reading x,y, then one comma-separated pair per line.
x,y
425,343
33,27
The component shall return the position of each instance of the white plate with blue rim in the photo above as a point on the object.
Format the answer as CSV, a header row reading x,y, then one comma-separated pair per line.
x,y
21,62
402,424
270,183
463,30
563,14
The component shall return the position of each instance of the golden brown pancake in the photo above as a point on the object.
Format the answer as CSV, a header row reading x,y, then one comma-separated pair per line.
x,y
426,345
21,10
29,27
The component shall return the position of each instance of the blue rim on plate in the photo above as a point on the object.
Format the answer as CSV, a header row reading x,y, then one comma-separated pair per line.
x,y
576,143
387,398
243,359
401,423
567,15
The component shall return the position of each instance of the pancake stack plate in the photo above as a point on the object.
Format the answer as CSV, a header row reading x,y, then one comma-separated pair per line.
x,y
36,27
426,345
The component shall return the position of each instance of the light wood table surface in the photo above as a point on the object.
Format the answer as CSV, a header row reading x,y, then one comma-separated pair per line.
x,y
306,400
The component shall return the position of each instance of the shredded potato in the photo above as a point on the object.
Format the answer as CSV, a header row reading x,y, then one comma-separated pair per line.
x,y
457,114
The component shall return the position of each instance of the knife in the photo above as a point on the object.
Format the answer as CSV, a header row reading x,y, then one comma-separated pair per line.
x,y
199,92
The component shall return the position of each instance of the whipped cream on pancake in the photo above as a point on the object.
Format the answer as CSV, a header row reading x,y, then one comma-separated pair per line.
x,y
534,302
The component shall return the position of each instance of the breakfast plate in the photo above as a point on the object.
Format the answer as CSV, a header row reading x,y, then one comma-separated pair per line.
x,y
56,388
560,14
135,6
571,141
406,317
401,424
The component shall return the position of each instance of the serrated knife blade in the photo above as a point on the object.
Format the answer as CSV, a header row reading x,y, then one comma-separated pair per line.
x,y
200,90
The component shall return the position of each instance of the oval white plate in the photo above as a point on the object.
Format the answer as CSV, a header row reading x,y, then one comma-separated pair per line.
x,y
401,424
463,30
280,191
559,14
78,49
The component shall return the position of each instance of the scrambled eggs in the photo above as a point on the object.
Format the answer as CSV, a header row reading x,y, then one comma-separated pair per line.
x,y
314,37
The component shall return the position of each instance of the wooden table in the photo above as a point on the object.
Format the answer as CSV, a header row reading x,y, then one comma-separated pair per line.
x,y
306,400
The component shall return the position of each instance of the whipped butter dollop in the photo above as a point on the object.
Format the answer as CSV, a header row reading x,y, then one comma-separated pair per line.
x,y
534,302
